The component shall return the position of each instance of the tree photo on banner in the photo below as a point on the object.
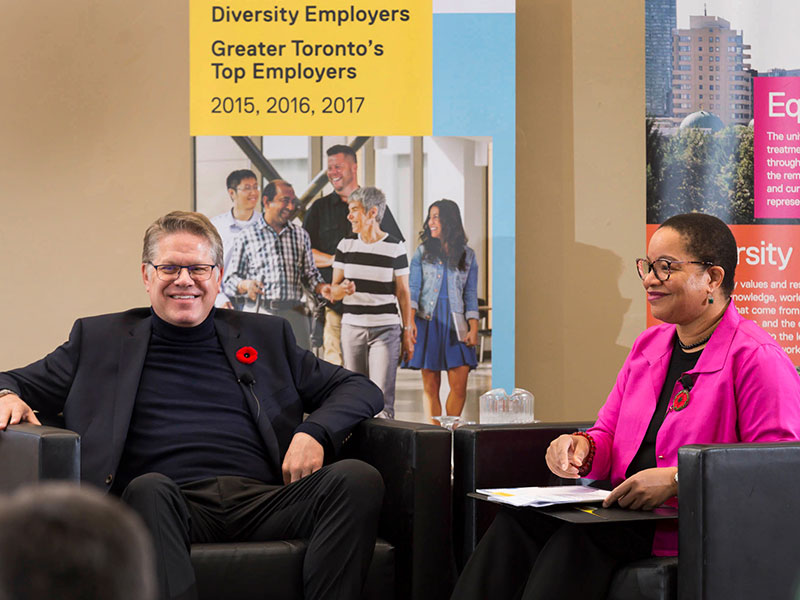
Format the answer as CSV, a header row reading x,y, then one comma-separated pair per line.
x,y
723,138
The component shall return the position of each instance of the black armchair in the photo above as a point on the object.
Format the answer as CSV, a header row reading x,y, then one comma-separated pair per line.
x,y
487,456
737,526
413,554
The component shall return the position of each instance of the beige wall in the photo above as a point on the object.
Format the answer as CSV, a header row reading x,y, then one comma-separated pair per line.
x,y
580,199
95,145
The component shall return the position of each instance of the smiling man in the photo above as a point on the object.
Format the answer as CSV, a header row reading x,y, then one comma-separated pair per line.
x,y
243,189
194,416
271,263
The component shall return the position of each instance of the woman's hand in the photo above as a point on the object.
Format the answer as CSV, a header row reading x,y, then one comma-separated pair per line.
x,y
412,331
340,287
472,335
409,339
472,338
645,490
565,455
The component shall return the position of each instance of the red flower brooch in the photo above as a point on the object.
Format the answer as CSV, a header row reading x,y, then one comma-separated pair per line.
x,y
246,355
681,400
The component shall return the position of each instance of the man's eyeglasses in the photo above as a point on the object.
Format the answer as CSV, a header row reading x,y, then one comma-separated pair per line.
x,y
172,272
662,268
248,188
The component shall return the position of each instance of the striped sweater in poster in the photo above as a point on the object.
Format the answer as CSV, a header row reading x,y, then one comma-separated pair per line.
x,y
372,268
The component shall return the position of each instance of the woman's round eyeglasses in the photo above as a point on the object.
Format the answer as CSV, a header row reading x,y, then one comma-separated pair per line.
x,y
662,268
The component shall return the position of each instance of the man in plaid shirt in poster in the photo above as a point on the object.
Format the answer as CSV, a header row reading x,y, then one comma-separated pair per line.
x,y
271,263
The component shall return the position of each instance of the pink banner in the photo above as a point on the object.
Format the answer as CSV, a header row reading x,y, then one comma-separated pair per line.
x,y
776,146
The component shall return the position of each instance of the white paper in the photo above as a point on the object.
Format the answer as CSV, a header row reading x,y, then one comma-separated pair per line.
x,y
545,496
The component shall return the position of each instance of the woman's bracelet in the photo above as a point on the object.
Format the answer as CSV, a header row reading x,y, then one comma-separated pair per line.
x,y
584,469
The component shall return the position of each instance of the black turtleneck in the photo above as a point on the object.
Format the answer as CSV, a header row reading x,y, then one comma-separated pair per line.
x,y
191,420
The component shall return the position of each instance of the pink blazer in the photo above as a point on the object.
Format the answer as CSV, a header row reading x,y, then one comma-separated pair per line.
x,y
745,390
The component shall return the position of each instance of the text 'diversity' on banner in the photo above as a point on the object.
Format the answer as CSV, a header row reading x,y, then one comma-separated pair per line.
x,y
767,281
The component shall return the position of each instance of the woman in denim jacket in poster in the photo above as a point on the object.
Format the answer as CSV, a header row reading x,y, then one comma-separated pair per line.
x,y
443,282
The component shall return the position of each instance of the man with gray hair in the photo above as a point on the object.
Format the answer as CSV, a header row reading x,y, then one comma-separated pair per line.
x,y
193,415
58,540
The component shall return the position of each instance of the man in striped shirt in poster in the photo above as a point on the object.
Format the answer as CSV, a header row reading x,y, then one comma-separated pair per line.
x,y
271,263
370,274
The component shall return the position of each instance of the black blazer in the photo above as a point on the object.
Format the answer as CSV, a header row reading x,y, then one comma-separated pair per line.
x,y
93,379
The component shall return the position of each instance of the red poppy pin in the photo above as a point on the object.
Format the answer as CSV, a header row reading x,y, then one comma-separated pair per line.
x,y
246,355
681,400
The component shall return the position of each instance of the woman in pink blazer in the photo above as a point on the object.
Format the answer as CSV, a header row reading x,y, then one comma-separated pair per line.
x,y
707,375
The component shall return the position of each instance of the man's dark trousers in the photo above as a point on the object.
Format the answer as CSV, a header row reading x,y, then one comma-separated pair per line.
x,y
335,509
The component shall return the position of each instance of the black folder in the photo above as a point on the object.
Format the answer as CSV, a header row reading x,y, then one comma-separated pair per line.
x,y
592,513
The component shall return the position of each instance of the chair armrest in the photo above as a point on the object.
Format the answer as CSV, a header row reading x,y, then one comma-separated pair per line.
x,y
486,456
31,453
414,460
738,526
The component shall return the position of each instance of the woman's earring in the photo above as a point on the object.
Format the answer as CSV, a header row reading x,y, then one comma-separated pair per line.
x,y
710,299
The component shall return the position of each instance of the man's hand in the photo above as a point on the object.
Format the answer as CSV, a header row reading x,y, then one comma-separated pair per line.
x,y
348,287
324,290
13,410
645,490
251,287
566,454
304,456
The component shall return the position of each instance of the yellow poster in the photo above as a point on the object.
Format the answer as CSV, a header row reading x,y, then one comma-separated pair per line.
x,y
290,69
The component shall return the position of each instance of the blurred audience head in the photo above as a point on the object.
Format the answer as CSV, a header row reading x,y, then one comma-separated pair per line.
x,y
61,541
